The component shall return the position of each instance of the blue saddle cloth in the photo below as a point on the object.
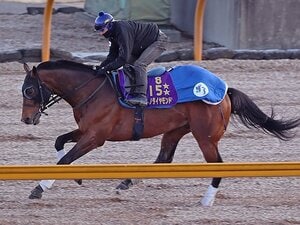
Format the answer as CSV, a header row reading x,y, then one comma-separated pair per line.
x,y
181,84
194,83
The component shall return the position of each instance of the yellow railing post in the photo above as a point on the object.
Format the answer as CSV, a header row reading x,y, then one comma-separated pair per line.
x,y
47,31
198,29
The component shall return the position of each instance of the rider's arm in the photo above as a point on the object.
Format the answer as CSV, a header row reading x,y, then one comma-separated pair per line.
x,y
124,44
112,54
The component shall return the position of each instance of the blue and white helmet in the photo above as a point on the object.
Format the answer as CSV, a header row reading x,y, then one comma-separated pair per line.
x,y
103,21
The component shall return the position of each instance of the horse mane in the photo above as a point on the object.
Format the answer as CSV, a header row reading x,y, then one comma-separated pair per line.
x,y
65,64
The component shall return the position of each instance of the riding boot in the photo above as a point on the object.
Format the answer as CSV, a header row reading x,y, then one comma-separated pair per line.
x,y
140,97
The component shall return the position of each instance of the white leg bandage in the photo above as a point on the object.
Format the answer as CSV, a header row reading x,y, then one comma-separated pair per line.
x,y
209,197
47,184
60,154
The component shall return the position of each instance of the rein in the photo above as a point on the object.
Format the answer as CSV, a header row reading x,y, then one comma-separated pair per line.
x,y
91,95
55,98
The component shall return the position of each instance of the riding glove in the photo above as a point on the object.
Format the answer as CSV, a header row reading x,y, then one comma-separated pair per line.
x,y
101,72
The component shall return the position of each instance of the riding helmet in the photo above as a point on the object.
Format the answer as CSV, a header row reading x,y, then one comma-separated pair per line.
x,y
103,20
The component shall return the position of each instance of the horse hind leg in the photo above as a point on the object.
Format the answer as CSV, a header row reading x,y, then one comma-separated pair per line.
x,y
208,130
168,146
210,195
211,155
61,140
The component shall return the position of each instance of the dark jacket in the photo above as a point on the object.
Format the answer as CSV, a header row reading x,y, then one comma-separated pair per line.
x,y
128,38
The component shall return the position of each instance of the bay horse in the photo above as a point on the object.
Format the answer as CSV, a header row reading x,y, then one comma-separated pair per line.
x,y
101,118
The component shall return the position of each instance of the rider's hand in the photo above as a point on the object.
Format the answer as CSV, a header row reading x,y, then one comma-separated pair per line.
x,y
101,72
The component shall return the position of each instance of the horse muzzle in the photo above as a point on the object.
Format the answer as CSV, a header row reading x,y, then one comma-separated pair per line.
x,y
34,120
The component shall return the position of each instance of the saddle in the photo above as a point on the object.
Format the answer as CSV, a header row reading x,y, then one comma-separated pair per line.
x,y
161,92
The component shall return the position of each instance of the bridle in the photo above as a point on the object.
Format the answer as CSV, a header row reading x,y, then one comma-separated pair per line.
x,y
46,98
33,89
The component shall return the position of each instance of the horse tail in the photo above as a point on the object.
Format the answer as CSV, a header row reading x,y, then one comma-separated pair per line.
x,y
253,117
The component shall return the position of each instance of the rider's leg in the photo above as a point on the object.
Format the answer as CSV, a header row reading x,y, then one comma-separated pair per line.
x,y
147,57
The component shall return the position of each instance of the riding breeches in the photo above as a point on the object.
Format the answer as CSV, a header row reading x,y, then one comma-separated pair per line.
x,y
148,56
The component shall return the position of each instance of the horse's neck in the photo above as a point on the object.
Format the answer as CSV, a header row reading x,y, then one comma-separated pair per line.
x,y
75,87
61,81
58,81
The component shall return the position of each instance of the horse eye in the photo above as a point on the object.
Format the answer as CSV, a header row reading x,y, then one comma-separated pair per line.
x,y
29,93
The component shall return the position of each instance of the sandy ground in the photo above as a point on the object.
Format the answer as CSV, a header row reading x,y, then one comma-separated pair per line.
x,y
153,201
156,201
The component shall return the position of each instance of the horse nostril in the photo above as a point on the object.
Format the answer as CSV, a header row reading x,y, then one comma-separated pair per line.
x,y
26,120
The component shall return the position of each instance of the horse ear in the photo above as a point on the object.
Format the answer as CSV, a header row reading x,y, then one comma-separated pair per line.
x,y
34,71
26,67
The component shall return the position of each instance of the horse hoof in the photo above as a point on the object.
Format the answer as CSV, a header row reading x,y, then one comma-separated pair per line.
x,y
125,184
78,181
122,186
36,193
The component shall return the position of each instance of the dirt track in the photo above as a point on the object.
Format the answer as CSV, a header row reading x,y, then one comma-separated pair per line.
x,y
156,201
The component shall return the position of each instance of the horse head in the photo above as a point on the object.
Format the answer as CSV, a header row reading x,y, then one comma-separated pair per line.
x,y
35,96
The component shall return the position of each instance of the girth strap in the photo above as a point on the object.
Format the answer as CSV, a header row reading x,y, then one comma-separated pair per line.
x,y
138,126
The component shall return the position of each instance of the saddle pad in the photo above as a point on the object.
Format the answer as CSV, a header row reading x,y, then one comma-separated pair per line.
x,y
181,84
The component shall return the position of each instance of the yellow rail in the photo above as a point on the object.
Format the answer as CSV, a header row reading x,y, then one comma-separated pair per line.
x,y
198,29
113,171
47,31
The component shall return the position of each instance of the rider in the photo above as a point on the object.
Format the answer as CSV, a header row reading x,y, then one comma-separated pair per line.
x,y
131,43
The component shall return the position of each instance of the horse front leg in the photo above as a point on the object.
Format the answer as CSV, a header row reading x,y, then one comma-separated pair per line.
x,y
61,140
72,136
169,143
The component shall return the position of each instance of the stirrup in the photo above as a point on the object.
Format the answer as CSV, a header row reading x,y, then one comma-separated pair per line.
x,y
139,99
